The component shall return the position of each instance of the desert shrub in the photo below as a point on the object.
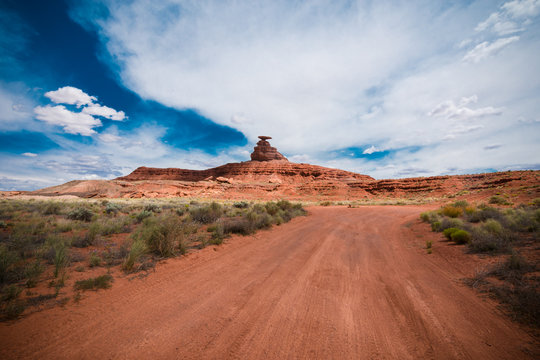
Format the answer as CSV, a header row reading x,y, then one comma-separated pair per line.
x,y
8,259
449,231
272,208
10,292
218,235
425,217
517,262
460,237
181,211
81,213
241,205
237,226
100,282
52,208
498,200
492,226
483,213
112,208
94,260
483,241
152,208
285,205
206,214
64,226
258,220
111,226
451,223
143,215
138,248
60,257
3,224
451,211
32,271
162,235
13,309
463,204
436,226
524,220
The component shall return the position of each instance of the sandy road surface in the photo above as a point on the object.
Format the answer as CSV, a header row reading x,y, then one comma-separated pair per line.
x,y
339,284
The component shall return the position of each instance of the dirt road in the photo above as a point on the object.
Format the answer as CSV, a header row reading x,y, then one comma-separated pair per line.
x,y
338,284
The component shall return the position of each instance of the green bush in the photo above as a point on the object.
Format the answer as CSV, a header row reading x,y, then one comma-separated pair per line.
x,y
206,214
436,226
152,208
94,260
112,208
451,211
162,235
52,208
143,215
461,237
425,217
461,204
8,259
451,222
492,226
81,213
138,249
100,282
241,205
10,292
498,200
13,309
61,258
449,231
32,271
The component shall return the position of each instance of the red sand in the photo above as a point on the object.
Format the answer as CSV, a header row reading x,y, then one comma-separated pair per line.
x,y
338,284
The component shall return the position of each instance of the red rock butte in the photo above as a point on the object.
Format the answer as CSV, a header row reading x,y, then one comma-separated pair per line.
x,y
269,175
264,152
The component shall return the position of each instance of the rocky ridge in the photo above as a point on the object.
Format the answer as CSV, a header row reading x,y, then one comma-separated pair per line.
x,y
269,175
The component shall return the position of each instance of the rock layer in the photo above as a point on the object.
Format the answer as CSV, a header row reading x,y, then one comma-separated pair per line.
x,y
265,152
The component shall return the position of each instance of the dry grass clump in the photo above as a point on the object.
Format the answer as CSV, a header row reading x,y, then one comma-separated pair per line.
x,y
100,282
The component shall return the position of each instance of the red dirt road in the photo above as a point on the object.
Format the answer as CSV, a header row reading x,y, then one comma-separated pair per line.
x,y
338,284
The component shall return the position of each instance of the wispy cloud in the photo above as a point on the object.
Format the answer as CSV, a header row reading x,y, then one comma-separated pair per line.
x,y
486,49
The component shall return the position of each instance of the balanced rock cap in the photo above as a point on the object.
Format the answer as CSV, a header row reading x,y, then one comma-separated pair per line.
x,y
265,152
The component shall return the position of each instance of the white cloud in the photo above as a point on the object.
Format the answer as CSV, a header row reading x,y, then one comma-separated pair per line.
x,y
449,110
71,96
71,122
109,138
522,8
75,122
29,154
104,111
486,49
511,17
372,149
329,75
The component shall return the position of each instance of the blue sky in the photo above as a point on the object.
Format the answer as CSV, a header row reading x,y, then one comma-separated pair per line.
x,y
94,89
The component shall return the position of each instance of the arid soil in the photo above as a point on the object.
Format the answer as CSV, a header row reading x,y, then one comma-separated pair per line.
x,y
338,284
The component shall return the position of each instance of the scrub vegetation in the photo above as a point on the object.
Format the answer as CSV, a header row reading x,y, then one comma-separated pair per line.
x,y
510,234
46,246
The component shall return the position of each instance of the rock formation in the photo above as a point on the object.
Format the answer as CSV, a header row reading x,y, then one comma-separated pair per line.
x,y
270,176
264,152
